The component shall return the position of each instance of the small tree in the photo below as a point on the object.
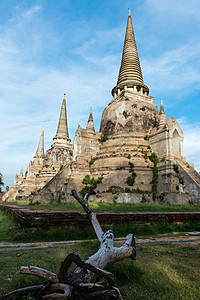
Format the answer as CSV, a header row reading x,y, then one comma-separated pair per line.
x,y
1,181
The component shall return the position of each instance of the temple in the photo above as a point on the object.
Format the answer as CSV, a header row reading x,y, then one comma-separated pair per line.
x,y
137,153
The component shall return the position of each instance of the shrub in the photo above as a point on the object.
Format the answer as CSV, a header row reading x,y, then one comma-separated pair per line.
x,y
146,137
89,181
145,155
131,179
115,199
153,157
177,171
144,200
104,137
91,161
176,168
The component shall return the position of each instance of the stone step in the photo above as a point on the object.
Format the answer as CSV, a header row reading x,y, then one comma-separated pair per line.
x,y
191,172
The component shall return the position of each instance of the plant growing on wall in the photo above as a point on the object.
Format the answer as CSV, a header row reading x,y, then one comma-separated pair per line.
x,y
131,179
89,181
177,171
153,157
104,137
91,161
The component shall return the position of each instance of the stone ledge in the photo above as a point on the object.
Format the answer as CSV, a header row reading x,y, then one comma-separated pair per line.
x,y
53,219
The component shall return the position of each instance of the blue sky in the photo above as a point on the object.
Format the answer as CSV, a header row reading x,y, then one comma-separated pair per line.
x,y
48,48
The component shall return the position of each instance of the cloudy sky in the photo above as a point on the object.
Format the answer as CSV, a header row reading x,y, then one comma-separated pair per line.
x,y
48,48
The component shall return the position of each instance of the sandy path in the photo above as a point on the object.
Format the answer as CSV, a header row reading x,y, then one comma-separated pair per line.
x,y
192,239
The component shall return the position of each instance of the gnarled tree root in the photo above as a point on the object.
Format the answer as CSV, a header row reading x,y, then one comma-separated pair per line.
x,y
77,284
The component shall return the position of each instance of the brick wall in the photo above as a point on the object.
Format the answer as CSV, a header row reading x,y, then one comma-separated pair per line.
x,y
36,219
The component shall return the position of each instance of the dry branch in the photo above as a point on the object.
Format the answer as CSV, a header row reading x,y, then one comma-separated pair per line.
x,y
23,290
42,273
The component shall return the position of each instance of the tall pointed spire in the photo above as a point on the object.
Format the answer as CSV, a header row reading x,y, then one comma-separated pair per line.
x,y
21,173
162,115
161,107
90,124
40,149
62,136
130,74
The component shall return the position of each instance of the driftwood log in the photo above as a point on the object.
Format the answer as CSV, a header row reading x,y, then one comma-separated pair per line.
x,y
80,282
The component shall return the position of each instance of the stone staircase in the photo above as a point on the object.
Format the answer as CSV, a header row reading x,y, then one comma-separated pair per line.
x,y
190,171
191,181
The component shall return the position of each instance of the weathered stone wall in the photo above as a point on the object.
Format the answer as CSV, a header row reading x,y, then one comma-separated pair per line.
x,y
191,182
54,219
159,143
58,156
129,115
86,144
167,178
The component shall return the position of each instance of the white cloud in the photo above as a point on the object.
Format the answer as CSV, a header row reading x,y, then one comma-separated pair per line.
x,y
172,10
175,70
191,144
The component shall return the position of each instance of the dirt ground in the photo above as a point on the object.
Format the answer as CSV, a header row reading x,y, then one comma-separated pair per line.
x,y
189,238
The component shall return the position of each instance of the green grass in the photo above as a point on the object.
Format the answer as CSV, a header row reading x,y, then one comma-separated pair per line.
x,y
111,207
11,232
159,272
8,229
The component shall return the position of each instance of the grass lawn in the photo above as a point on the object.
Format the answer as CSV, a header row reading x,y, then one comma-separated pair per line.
x,y
109,207
159,272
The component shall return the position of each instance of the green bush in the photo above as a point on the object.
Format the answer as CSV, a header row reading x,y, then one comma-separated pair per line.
x,y
145,155
176,168
144,200
131,179
89,181
177,171
91,161
104,137
153,158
